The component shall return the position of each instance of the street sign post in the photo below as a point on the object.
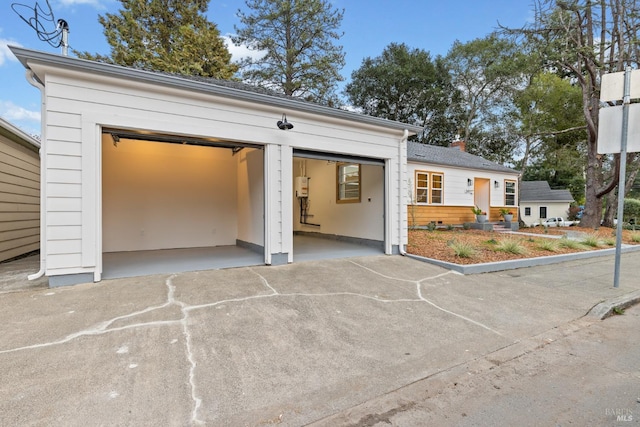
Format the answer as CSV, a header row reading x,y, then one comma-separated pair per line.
x,y
609,133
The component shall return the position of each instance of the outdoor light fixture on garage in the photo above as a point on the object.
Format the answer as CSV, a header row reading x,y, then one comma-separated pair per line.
x,y
284,124
496,184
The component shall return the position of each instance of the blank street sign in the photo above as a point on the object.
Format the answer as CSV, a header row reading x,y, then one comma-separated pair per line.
x,y
612,87
610,129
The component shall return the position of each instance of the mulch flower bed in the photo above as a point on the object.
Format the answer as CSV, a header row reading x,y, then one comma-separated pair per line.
x,y
489,246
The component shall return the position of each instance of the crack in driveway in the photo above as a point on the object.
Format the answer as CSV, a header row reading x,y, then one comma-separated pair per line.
x,y
106,326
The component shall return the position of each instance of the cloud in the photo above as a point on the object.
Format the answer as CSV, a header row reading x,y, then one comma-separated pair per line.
x,y
239,52
13,112
5,53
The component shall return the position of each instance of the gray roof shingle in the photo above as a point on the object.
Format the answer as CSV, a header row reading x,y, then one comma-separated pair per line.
x,y
451,156
539,191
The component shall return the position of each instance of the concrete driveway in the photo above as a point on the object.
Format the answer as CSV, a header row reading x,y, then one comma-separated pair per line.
x,y
289,345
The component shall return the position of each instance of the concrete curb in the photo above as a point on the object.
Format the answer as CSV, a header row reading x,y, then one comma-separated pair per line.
x,y
491,267
606,308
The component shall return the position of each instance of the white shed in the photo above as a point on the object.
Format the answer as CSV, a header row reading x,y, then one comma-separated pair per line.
x,y
538,202
140,161
19,192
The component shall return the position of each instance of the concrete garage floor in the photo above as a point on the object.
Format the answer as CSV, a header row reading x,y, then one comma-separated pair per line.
x,y
288,345
140,263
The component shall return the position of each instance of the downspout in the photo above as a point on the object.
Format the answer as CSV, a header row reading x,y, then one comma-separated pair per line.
x,y
31,79
401,176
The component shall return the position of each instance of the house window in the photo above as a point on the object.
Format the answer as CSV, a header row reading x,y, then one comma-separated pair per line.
x,y
429,188
436,189
543,212
510,193
348,183
422,187
527,211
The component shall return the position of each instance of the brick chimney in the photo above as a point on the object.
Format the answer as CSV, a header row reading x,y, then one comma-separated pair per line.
x,y
461,145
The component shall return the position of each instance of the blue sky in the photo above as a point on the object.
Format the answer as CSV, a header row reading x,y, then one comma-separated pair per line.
x,y
368,25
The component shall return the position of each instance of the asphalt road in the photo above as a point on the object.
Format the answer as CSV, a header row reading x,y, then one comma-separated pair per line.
x,y
588,374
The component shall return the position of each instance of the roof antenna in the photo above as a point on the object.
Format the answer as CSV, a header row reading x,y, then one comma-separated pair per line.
x,y
39,19
64,40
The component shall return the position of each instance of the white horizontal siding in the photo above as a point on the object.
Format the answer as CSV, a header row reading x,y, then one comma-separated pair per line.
x,y
64,218
64,204
63,247
62,176
78,105
227,119
57,190
456,192
65,148
56,232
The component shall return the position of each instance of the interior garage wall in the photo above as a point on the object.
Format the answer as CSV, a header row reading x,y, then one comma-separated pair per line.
x,y
363,220
250,171
162,196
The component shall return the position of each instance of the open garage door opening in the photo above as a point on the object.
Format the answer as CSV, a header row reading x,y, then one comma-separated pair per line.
x,y
338,206
174,203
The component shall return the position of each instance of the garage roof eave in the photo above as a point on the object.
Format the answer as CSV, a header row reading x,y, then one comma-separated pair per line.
x,y
27,56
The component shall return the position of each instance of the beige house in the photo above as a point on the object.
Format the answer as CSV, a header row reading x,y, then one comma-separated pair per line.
x,y
19,192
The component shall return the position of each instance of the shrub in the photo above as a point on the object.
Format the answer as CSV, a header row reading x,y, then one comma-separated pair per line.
x,y
462,249
591,240
548,245
631,208
635,237
569,244
610,241
511,246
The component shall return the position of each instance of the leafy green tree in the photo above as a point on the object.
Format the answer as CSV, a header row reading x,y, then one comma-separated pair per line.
x,y
486,71
406,85
585,39
165,35
552,132
298,39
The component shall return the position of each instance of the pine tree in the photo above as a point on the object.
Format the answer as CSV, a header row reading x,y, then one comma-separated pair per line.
x,y
297,38
165,35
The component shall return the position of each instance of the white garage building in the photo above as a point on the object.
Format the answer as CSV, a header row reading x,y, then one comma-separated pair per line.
x,y
141,162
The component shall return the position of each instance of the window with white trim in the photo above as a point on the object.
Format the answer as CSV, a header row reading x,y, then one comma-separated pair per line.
x,y
348,183
436,188
527,211
510,193
429,188
422,187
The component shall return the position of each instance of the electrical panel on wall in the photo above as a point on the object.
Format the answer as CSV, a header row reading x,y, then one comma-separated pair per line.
x,y
302,186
